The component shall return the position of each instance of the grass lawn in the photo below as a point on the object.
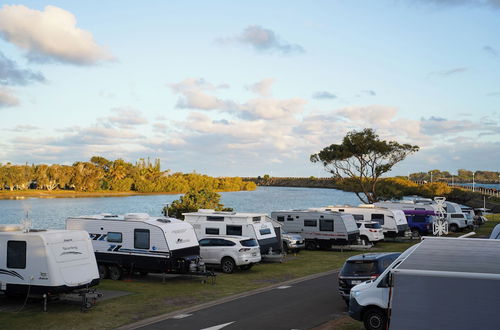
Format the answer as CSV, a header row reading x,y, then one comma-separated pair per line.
x,y
151,297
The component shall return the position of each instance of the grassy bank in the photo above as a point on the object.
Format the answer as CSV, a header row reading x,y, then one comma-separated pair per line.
x,y
151,297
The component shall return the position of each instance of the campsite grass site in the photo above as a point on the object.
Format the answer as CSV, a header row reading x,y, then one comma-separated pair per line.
x,y
149,296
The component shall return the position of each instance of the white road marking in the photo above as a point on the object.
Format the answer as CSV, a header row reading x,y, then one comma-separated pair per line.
x,y
217,327
181,316
284,287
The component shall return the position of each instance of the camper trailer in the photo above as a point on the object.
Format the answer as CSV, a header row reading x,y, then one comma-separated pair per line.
x,y
255,225
319,228
393,222
137,242
45,262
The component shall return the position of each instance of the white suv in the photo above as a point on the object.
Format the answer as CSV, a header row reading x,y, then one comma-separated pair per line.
x,y
230,252
370,232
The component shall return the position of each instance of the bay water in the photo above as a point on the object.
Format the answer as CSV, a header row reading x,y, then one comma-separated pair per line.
x,y
45,213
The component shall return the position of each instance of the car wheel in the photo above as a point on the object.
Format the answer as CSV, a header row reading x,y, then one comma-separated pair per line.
x,y
228,265
311,246
374,319
364,240
454,227
246,267
115,273
103,271
285,247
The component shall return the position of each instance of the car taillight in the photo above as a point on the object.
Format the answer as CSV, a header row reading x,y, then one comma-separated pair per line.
x,y
374,276
373,230
244,249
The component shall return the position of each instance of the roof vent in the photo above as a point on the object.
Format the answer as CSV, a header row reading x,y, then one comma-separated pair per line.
x,y
164,220
136,216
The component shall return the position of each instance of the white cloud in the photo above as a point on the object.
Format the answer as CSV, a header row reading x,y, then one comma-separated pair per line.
x,y
263,87
50,35
7,98
263,40
126,117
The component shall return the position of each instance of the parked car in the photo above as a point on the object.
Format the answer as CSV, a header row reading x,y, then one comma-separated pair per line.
x,y
420,221
292,242
370,232
230,252
361,268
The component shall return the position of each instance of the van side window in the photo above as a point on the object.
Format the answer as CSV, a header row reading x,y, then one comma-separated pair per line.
x,y
212,218
326,225
212,231
280,218
141,238
310,223
233,230
358,217
16,254
114,237
378,218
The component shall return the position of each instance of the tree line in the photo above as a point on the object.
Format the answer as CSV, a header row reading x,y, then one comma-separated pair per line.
x,y
462,176
101,174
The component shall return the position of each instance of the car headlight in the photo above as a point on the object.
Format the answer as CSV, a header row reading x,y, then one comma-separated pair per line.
x,y
355,293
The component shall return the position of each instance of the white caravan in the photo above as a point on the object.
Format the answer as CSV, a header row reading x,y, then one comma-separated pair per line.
x,y
208,222
45,262
453,213
137,242
319,228
393,222
414,291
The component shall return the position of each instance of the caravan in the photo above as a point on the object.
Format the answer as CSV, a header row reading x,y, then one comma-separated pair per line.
x,y
319,229
137,242
207,223
393,222
45,262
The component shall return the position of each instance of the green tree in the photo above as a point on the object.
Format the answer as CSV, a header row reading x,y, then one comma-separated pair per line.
x,y
363,158
194,200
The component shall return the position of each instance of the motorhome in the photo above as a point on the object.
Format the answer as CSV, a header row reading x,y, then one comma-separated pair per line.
x,y
45,262
137,242
418,284
208,222
452,212
319,228
393,222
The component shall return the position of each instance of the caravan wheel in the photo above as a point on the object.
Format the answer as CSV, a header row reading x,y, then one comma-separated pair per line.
x,y
311,246
115,273
103,271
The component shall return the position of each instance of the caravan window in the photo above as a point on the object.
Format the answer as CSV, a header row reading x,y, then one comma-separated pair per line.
x,y
233,230
256,219
289,218
212,231
16,254
114,237
326,225
310,223
358,217
212,218
378,218
141,238
265,231
280,218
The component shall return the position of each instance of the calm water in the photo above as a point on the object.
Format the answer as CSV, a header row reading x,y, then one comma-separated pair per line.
x,y
52,212
483,185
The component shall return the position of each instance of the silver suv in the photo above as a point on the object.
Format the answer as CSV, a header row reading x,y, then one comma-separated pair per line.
x,y
292,242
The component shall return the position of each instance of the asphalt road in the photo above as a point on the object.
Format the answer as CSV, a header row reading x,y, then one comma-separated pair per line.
x,y
302,305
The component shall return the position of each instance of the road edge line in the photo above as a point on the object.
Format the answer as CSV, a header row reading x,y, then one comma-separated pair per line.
x,y
208,304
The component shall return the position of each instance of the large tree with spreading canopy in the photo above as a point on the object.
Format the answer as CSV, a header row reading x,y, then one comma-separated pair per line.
x,y
363,158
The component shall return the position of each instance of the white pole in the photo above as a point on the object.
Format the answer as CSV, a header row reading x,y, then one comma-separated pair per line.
x,y
431,176
473,187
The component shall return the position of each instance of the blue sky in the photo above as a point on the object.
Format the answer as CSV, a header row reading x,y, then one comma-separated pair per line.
x,y
249,88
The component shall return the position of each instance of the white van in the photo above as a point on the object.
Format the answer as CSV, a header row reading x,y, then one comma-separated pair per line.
x,y
137,242
393,222
208,222
319,229
45,261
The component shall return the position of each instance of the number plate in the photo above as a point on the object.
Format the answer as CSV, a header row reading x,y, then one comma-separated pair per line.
x,y
355,282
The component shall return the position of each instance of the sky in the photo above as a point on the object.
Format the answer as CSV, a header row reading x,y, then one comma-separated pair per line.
x,y
232,88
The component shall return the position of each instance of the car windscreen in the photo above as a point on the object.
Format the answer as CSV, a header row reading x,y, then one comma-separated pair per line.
x,y
359,268
373,225
249,242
